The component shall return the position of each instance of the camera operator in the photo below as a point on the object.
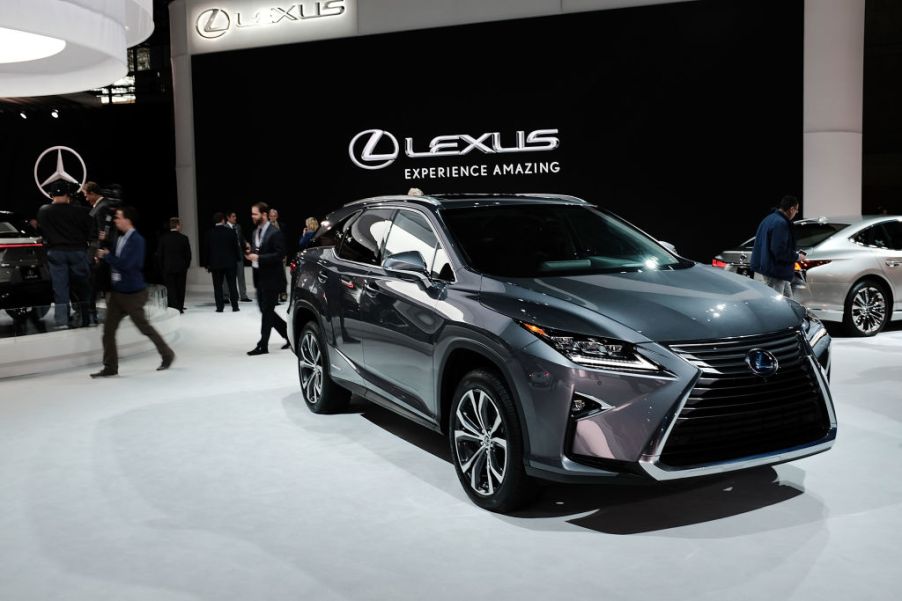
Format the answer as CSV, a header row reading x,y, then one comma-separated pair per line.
x,y
103,210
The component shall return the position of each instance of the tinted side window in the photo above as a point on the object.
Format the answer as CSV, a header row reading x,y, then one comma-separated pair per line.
x,y
894,230
362,237
874,236
333,235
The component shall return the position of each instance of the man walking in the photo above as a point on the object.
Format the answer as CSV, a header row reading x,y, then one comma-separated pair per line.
x,y
66,229
128,295
232,222
774,254
174,258
266,256
222,256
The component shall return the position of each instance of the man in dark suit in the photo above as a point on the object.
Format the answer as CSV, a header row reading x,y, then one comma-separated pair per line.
x,y
232,222
174,258
129,293
222,257
266,257
103,210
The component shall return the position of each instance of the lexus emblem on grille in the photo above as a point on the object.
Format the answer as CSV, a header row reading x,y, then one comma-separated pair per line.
x,y
762,362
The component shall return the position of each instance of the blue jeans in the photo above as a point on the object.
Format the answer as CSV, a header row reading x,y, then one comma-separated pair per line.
x,y
69,269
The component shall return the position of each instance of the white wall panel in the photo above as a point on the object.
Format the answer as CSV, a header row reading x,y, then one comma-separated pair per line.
x,y
834,80
832,174
380,16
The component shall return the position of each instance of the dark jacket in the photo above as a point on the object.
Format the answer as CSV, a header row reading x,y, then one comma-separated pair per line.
x,y
222,248
305,240
270,275
174,252
128,264
65,226
102,213
774,254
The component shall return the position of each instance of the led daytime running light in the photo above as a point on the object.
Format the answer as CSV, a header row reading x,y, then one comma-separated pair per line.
x,y
591,351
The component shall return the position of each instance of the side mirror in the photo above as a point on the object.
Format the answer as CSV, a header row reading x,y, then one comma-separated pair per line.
x,y
406,262
668,246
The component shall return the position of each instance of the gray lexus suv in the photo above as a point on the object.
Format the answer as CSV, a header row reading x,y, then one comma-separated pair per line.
x,y
551,340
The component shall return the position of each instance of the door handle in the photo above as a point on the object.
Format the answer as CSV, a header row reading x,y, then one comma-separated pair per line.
x,y
893,262
322,276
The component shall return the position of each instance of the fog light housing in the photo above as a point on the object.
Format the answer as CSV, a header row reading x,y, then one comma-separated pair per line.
x,y
583,405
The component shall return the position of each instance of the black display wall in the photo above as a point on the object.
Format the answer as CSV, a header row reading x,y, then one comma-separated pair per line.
x,y
685,118
131,145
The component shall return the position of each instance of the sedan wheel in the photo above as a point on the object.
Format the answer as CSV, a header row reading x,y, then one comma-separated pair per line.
x,y
866,309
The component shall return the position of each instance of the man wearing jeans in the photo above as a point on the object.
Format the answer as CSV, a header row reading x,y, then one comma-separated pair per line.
x,y
774,255
129,293
66,229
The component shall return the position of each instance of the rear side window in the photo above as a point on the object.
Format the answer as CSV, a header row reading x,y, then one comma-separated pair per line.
x,y
874,236
812,234
894,232
361,238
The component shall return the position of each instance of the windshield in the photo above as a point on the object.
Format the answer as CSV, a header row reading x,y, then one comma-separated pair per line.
x,y
545,240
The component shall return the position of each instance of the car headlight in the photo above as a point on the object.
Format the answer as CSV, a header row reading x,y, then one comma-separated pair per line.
x,y
593,351
813,328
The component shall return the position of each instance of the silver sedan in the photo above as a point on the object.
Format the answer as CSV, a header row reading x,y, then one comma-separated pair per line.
x,y
852,274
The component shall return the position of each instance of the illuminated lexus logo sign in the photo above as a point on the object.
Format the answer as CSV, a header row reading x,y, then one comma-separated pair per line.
x,y
214,23
377,148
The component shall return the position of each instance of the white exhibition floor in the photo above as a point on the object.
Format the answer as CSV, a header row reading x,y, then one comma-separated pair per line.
x,y
213,481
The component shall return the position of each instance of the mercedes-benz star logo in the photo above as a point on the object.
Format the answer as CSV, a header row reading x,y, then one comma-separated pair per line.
x,y
213,23
60,172
367,157
762,362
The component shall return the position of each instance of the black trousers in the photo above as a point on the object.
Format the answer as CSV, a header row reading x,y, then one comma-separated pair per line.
x,y
266,300
229,275
175,289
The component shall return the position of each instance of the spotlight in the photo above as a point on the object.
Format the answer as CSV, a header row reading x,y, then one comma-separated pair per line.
x,y
23,115
55,114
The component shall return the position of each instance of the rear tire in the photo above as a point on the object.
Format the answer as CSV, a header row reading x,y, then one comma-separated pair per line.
x,y
867,309
320,393
487,443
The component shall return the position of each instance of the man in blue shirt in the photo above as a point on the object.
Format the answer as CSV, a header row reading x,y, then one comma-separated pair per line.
x,y
129,293
774,255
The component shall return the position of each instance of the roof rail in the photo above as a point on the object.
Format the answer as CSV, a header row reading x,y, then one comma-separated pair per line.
x,y
396,198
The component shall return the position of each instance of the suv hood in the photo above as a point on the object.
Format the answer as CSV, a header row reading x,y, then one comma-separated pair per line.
x,y
697,303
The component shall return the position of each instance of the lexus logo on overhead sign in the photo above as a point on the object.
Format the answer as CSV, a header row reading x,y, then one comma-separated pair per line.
x,y
377,148
214,23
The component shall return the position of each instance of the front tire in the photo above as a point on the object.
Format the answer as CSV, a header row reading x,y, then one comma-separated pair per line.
x,y
320,393
487,443
866,309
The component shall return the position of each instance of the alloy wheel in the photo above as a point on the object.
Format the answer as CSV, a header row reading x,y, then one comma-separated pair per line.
x,y
869,309
310,360
480,442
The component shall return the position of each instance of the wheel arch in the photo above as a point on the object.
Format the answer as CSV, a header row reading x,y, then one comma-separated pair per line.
x,y
463,357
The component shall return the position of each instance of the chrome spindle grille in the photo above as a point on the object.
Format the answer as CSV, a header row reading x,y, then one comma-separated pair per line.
x,y
733,413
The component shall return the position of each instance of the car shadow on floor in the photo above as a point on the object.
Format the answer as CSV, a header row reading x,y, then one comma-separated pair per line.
x,y
618,508
656,506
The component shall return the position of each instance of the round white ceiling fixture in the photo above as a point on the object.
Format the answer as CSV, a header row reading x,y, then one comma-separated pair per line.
x,y
62,46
